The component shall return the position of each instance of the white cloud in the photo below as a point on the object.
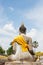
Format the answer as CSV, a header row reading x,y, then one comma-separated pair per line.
x,y
7,34
32,33
11,8
9,27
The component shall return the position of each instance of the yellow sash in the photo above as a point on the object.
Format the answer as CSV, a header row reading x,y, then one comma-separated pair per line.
x,y
20,40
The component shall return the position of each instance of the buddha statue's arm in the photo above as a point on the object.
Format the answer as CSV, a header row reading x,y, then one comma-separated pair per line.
x,y
31,47
30,43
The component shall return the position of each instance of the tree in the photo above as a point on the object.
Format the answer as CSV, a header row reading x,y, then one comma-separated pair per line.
x,y
35,44
10,50
2,51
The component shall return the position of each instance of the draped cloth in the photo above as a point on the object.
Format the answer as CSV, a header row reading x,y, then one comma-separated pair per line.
x,y
21,41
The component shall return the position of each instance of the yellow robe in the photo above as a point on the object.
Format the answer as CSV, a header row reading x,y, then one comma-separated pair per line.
x,y
20,40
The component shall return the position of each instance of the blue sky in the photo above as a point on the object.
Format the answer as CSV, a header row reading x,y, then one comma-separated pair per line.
x,y
13,13
14,10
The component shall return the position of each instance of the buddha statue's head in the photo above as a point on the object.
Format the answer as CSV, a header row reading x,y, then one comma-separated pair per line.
x,y
22,29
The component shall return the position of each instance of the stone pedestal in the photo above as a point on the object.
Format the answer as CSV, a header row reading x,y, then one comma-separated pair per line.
x,y
23,63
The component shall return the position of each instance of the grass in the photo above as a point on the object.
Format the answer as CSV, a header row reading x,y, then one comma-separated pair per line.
x,y
3,57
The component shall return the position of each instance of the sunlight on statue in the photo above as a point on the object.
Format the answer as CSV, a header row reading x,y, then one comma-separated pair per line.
x,y
22,44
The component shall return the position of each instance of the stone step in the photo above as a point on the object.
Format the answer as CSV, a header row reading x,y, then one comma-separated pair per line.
x,y
23,63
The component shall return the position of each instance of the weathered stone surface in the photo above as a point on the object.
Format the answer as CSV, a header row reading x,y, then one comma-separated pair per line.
x,y
36,63
41,63
23,63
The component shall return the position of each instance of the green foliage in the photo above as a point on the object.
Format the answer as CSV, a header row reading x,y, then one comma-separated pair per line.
x,y
35,44
10,50
2,51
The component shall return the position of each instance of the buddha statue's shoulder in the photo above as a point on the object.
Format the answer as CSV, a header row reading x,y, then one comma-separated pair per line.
x,y
27,38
